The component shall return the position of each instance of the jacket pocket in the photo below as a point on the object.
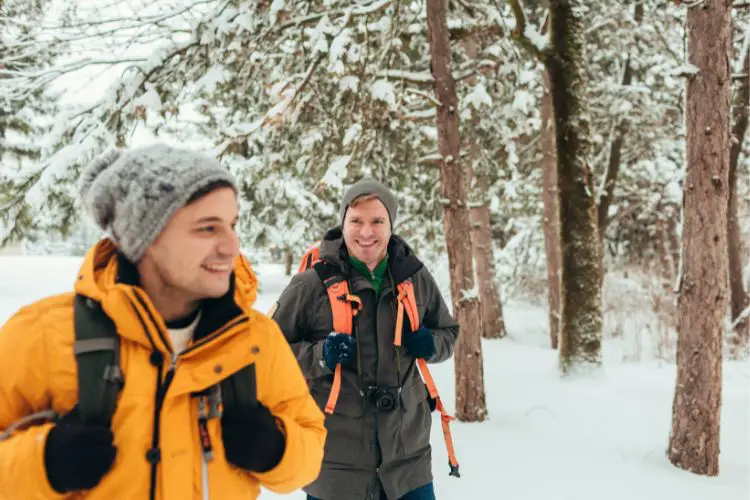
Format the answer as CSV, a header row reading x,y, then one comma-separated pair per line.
x,y
346,427
349,402
415,418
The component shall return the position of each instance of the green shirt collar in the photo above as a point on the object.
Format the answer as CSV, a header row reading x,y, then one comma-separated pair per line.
x,y
376,276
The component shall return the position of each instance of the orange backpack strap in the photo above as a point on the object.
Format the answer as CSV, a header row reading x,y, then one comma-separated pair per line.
x,y
407,302
311,257
445,418
344,308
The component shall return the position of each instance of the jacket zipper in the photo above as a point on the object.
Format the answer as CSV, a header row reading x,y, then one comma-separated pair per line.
x,y
153,455
207,449
162,386
376,486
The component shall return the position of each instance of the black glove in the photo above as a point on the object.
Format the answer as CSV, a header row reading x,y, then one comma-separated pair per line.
x,y
340,348
77,456
252,438
420,344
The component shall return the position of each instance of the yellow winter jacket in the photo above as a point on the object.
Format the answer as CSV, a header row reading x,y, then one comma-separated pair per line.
x,y
38,372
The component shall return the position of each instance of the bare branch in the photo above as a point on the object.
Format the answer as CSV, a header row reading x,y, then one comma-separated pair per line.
x,y
140,20
425,78
435,158
426,95
476,31
422,77
360,10
67,68
520,34
417,116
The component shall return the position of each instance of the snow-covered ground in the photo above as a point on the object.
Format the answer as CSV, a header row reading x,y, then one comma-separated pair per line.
x,y
546,438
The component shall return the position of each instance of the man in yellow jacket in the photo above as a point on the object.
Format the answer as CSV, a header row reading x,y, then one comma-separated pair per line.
x,y
171,279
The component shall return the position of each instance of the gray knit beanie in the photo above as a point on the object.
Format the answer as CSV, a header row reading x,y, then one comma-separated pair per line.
x,y
373,187
131,194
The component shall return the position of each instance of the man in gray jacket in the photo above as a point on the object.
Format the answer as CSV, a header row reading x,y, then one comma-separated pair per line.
x,y
378,444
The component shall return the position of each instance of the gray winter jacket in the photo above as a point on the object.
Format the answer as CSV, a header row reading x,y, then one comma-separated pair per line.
x,y
367,449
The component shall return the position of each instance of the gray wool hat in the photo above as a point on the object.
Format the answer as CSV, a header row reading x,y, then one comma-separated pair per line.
x,y
132,194
373,187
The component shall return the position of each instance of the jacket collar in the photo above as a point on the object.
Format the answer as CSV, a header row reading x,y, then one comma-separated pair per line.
x,y
402,262
106,276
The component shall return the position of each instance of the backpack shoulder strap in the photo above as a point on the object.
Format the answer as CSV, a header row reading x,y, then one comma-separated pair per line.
x,y
311,256
407,303
240,390
97,352
344,307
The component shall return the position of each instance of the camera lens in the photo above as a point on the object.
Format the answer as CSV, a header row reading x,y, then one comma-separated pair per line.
x,y
386,402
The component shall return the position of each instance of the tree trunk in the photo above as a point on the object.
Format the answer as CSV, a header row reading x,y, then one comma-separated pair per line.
x,y
740,337
490,303
615,149
550,200
470,399
702,300
493,326
288,261
581,308
666,253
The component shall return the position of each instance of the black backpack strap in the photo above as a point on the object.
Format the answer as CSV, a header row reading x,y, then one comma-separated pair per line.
x,y
328,273
240,389
97,351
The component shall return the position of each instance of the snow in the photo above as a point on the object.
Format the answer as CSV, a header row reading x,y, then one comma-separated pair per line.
x,y
317,36
339,47
276,7
245,128
337,171
740,60
540,41
369,9
214,76
479,97
523,100
510,189
349,82
686,69
382,90
352,134
412,76
149,99
546,438
526,76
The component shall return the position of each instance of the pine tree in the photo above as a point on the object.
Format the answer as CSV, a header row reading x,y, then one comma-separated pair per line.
x,y
702,302
25,113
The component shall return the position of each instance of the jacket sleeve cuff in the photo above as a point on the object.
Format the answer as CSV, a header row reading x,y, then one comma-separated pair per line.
x,y
23,469
443,346
322,368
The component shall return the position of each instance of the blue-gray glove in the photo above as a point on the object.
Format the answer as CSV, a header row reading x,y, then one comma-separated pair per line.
x,y
340,348
420,344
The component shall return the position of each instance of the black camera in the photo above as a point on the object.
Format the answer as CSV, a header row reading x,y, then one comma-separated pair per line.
x,y
384,399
